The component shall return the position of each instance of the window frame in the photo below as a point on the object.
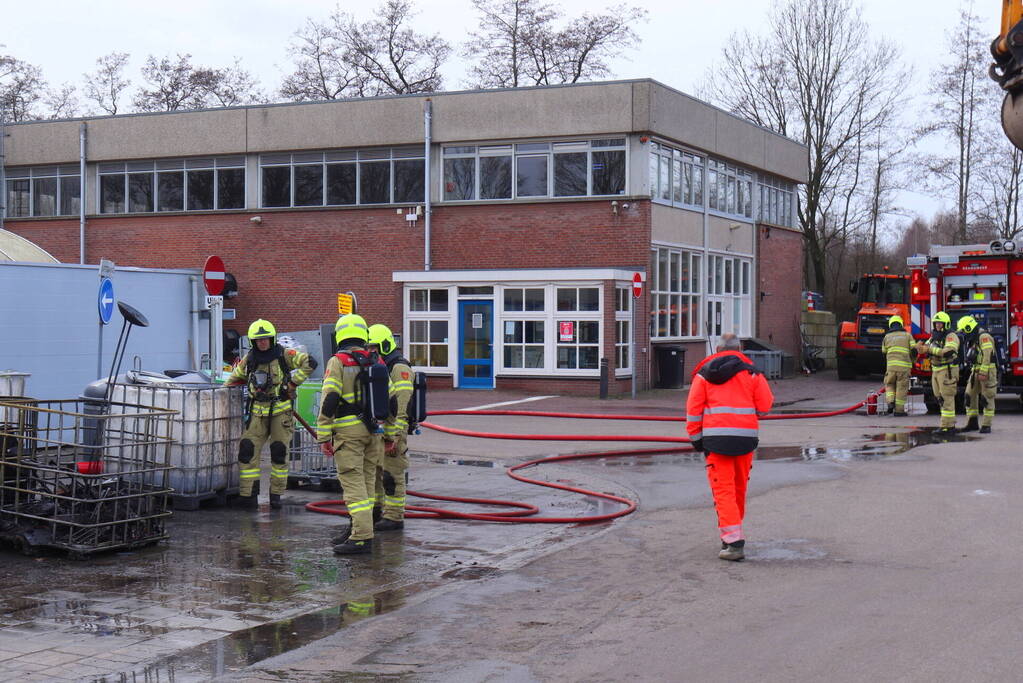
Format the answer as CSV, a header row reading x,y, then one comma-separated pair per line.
x,y
685,192
32,174
158,167
681,289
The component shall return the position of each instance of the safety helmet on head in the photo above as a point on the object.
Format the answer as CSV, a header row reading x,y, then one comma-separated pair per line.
x,y
351,326
262,329
895,319
381,336
942,317
967,324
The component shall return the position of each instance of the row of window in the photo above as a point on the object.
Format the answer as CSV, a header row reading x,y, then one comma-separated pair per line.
x,y
516,299
675,286
679,178
172,185
537,169
43,191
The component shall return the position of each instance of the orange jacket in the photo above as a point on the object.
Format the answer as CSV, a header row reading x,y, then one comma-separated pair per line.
x,y
725,397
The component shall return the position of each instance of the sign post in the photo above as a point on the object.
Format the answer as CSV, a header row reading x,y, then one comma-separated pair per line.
x,y
637,292
213,276
105,305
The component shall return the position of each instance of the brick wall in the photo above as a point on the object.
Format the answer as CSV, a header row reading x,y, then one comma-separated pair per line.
x,y
780,276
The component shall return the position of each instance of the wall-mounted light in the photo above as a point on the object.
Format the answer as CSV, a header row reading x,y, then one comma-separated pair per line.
x,y
256,220
644,139
614,206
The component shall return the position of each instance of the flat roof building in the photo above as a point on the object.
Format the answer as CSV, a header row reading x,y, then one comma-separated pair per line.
x,y
543,203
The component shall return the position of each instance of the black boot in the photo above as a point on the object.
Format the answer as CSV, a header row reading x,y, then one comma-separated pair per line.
x,y
350,547
890,410
986,429
275,501
971,425
389,525
342,537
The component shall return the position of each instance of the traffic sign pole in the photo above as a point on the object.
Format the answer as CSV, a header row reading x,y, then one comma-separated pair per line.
x,y
637,292
105,307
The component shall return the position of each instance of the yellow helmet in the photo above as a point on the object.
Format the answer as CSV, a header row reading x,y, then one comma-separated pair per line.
x,y
966,324
262,329
895,319
381,336
942,317
350,326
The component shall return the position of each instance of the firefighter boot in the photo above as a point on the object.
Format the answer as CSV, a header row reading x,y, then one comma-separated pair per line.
x,y
971,425
986,429
250,502
389,525
275,501
734,552
342,538
350,547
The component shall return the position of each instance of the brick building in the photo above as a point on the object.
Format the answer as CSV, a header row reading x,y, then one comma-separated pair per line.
x,y
516,271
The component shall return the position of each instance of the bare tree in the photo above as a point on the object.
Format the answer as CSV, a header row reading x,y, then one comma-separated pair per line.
x,y
342,57
178,84
1001,180
518,43
22,89
105,85
817,76
61,102
963,104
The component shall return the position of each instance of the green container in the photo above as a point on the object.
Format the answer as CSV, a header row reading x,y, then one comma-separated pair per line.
x,y
307,399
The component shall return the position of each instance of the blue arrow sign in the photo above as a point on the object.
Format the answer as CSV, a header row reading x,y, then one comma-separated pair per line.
x,y
106,300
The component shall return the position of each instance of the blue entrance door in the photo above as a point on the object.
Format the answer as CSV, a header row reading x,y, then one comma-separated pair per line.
x,y
476,344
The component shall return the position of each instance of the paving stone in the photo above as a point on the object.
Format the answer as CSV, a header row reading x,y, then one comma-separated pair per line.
x,y
153,613
6,654
182,621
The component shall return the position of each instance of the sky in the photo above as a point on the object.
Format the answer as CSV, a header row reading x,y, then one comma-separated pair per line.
x,y
680,40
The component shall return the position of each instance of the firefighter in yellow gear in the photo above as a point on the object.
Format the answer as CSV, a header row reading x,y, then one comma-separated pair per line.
x,y
896,349
983,383
342,430
271,373
390,486
943,350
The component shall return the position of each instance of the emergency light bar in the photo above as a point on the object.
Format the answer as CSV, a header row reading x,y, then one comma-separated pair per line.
x,y
949,259
916,261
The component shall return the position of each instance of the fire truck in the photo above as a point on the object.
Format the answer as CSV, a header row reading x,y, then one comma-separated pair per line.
x,y
982,280
881,296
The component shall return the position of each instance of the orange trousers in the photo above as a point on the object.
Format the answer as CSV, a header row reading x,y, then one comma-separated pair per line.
x,y
728,476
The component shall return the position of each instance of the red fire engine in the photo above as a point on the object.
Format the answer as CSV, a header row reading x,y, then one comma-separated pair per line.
x,y
982,280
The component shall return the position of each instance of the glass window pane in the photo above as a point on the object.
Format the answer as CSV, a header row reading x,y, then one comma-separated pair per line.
x,y
375,182
534,299
712,183
438,331
728,276
652,172
683,316
673,272
608,174
567,298
745,277
18,197
684,275
588,331
513,332
664,183
496,178
513,300
569,175
170,191
566,357
589,299
588,358
418,300
341,183
140,192
408,181
531,176
199,192
662,270
513,357
44,197
676,180
694,283
459,179
439,355
533,333
534,357
309,185
417,330
277,186
697,185
439,301
111,193
417,354
70,195
231,188
662,315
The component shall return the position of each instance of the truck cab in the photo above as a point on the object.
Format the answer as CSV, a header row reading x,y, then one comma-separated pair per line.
x,y
881,296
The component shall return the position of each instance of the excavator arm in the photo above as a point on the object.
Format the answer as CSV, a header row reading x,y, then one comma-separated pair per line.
x,y
1007,69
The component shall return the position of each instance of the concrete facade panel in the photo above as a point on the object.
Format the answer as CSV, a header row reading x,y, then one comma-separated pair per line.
x,y
676,226
682,118
721,237
332,125
787,160
736,139
526,113
42,143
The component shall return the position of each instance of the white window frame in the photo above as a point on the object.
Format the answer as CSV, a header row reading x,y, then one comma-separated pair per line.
x,y
32,174
691,289
678,162
158,166
734,178
776,198
521,148
623,314
450,317
502,317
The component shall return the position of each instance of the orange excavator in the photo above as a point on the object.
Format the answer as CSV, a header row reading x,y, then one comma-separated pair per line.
x,y
881,295
1007,70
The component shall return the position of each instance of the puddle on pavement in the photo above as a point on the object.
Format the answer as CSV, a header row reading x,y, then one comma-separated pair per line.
x,y
870,447
240,649
452,460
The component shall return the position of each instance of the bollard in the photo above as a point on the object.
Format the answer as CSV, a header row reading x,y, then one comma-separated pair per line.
x,y
603,378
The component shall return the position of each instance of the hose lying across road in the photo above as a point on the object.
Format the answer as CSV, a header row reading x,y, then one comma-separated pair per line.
x,y
524,513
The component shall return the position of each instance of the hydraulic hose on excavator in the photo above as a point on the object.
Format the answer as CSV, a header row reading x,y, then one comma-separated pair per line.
x,y
524,513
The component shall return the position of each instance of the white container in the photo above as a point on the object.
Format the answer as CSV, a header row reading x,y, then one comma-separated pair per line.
x,y
12,383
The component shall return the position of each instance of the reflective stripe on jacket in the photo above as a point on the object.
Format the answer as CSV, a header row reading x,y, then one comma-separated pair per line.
x,y
895,348
724,415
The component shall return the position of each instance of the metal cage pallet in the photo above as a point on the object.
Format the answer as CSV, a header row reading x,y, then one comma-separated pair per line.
x,y
83,476
308,465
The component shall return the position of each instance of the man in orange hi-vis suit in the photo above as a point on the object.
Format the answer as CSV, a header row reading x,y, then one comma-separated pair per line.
x,y
725,398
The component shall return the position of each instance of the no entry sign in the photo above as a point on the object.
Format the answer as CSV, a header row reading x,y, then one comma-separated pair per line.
x,y
637,285
213,276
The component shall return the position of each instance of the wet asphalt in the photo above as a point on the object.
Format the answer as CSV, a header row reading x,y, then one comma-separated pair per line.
x,y
233,588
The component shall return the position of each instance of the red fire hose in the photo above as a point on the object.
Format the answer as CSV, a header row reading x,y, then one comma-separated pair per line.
x,y
525,513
